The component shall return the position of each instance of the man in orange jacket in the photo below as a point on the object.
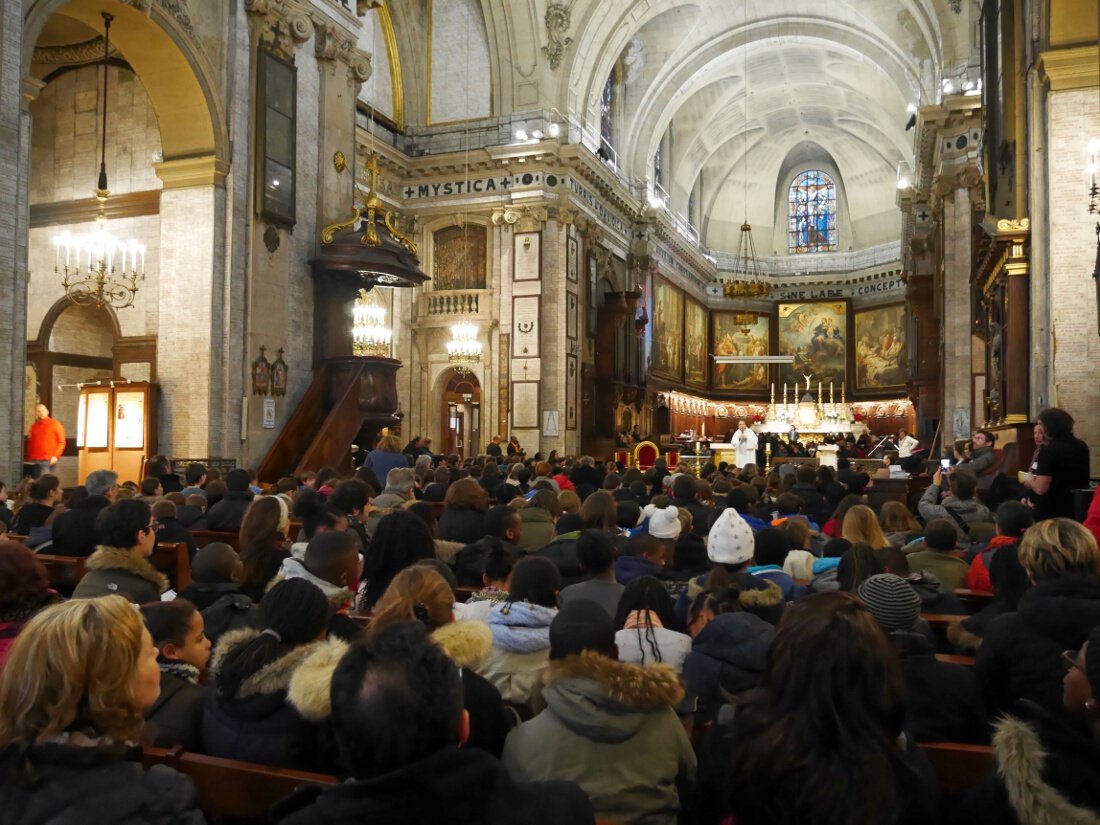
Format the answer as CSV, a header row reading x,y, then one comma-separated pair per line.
x,y
46,442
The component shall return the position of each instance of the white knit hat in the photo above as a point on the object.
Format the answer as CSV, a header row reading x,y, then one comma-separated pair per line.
x,y
665,524
730,540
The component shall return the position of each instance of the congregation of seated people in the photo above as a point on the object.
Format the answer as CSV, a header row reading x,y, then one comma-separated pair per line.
x,y
547,639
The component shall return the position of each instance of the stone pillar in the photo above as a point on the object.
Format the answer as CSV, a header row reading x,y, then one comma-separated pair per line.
x,y
957,361
1017,399
191,306
15,141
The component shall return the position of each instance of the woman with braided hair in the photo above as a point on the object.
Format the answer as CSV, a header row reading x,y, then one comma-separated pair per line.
x,y
647,627
421,594
271,685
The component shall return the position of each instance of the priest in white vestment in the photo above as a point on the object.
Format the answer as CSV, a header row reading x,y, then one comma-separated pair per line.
x,y
744,442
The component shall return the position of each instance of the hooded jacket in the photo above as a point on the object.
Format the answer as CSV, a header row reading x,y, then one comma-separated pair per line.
x,y
462,524
454,786
727,658
521,649
562,551
610,727
94,785
115,571
1048,773
277,716
468,643
1020,654
971,511
538,528
223,606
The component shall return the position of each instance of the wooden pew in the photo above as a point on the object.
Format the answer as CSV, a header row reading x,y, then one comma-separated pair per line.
x,y
293,531
64,571
973,600
174,561
959,767
205,537
939,623
232,790
955,659
464,591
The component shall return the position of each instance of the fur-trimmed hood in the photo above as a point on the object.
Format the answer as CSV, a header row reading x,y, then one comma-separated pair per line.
x,y
466,642
763,594
304,673
606,700
1020,761
119,558
292,568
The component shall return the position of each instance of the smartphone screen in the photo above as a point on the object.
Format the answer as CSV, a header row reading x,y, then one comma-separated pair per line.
x,y
945,463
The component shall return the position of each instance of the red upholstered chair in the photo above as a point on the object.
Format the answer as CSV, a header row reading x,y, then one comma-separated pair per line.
x,y
672,458
623,457
645,455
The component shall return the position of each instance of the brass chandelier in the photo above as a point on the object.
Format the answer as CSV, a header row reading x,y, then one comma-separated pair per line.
x,y
746,282
99,269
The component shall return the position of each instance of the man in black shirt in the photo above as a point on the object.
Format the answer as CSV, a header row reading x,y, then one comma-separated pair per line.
x,y
1062,466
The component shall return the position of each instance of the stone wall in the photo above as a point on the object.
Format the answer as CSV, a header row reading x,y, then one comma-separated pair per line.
x,y
1073,117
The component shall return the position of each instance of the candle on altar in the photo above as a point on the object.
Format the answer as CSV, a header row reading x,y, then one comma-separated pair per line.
x,y
831,399
808,383
819,399
784,393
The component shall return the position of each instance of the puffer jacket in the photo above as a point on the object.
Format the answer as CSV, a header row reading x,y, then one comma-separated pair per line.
x,y
279,713
72,782
610,727
176,716
521,649
727,658
1020,654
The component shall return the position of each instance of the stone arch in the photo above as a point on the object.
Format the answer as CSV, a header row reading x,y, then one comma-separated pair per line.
x,y
159,46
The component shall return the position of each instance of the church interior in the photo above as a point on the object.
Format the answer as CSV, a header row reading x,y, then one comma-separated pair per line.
x,y
623,237
596,204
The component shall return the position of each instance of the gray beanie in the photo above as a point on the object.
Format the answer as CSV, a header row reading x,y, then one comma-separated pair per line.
x,y
891,600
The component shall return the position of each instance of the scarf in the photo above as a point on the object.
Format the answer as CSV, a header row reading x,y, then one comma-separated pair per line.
x,y
189,673
637,619
1000,541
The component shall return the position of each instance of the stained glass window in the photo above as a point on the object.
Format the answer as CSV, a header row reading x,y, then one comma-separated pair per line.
x,y
607,106
812,213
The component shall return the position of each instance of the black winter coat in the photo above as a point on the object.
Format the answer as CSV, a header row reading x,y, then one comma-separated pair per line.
x,y
455,786
224,607
74,531
1020,655
32,514
227,514
88,785
170,531
941,699
176,716
814,504
1044,767
727,658
462,524
279,714
563,552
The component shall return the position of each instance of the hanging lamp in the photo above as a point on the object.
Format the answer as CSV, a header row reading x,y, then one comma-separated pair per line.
x,y
97,268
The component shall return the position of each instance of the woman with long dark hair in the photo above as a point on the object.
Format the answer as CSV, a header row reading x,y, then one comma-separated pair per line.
x,y
263,545
821,740
401,540
646,626
43,495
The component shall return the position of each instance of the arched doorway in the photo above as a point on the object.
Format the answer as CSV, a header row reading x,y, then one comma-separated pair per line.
x,y
460,414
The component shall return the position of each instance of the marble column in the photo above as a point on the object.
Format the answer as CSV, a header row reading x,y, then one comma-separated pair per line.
x,y
956,371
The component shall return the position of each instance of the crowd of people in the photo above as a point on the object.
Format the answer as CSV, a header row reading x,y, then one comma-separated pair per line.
x,y
651,647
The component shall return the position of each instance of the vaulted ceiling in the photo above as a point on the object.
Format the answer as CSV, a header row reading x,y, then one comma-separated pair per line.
x,y
749,91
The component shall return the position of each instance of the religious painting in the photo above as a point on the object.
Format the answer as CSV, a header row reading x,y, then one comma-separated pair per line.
x,y
668,328
880,359
815,333
750,337
459,257
695,343
279,372
261,374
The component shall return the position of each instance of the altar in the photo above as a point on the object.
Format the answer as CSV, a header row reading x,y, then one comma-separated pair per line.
x,y
812,417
